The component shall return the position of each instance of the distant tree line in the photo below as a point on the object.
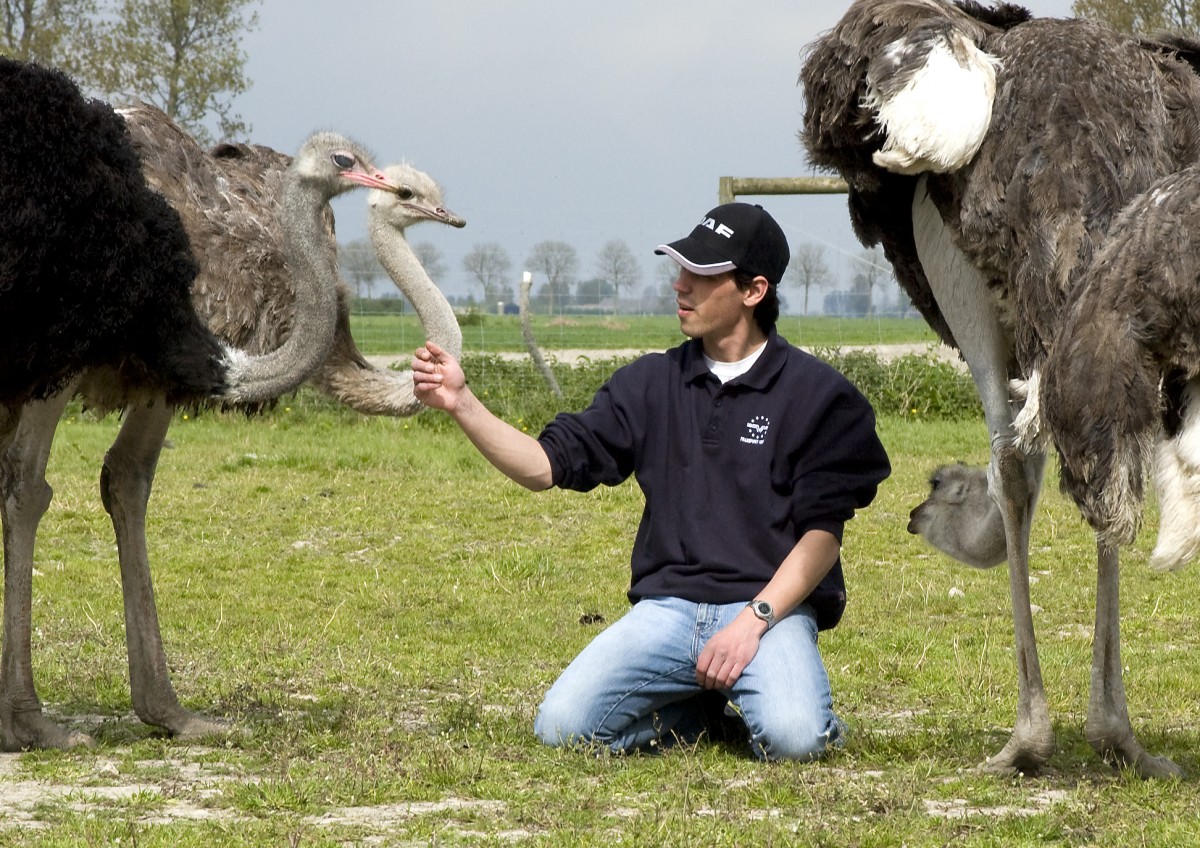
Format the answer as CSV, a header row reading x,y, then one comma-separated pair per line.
x,y
617,282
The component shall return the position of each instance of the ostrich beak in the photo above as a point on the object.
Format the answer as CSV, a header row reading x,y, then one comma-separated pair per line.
x,y
375,179
438,213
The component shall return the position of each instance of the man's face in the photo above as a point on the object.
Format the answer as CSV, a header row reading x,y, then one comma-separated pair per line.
x,y
708,307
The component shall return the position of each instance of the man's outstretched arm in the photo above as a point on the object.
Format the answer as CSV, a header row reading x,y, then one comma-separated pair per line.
x,y
439,382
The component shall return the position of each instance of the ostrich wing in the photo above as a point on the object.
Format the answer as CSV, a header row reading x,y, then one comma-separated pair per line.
x,y
1085,120
840,132
229,200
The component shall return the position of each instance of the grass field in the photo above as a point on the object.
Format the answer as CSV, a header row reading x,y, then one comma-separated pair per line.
x,y
379,613
384,334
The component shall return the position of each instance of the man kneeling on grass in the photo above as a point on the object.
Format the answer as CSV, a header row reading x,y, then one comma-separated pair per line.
x,y
751,455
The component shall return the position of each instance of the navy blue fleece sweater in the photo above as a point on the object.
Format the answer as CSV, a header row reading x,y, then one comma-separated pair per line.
x,y
733,475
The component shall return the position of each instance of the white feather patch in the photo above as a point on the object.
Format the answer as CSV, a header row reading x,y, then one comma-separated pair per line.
x,y
1177,480
1028,422
236,362
937,121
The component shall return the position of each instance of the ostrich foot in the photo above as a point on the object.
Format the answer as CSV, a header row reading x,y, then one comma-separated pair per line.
x,y
1025,753
30,730
1126,752
197,727
187,726
1151,767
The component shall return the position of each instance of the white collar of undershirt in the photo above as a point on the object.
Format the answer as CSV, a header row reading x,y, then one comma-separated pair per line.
x,y
726,371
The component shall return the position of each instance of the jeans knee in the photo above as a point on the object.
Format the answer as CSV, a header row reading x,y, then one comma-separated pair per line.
x,y
801,741
557,724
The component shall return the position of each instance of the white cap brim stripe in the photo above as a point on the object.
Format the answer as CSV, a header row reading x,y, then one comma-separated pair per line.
x,y
703,270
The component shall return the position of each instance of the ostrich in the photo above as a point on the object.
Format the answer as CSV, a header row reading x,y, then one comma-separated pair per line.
x,y
346,375
1123,379
989,152
960,517
67,249
231,205
94,269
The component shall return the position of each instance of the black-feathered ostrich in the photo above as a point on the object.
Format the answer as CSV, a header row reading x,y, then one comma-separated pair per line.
x,y
95,279
989,152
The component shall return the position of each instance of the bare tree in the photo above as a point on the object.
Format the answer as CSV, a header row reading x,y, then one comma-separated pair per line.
x,y
592,292
808,269
871,269
184,56
559,262
666,271
431,260
490,265
662,291
357,262
617,266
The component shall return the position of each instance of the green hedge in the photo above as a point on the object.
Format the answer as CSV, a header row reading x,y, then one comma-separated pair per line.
x,y
916,387
912,386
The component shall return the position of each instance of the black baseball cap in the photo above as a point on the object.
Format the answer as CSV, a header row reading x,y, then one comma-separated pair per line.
x,y
734,235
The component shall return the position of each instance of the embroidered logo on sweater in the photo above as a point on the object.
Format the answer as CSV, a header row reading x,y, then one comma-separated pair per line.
x,y
756,430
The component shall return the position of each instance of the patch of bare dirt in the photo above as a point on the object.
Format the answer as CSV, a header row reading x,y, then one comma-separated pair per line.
x,y
187,786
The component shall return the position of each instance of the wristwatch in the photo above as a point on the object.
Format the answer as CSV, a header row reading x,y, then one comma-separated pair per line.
x,y
763,610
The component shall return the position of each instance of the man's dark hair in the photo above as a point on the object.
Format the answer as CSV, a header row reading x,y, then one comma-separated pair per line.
x,y
767,311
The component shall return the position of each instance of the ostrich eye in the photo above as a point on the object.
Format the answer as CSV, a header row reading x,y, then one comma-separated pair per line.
x,y
405,193
344,161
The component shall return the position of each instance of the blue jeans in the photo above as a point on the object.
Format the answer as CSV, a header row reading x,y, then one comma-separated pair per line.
x,y
636,683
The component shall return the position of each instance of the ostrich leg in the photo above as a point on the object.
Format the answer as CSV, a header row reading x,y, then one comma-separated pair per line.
x,y
25,499
1108,727
125,484
1014,479
1032,740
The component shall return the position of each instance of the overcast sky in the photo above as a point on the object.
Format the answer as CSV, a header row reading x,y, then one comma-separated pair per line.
x,y
542,119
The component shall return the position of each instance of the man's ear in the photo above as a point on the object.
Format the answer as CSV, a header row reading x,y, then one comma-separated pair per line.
x,y
756,291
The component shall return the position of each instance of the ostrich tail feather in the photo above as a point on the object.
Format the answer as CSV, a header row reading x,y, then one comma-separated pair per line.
x,y
1101,410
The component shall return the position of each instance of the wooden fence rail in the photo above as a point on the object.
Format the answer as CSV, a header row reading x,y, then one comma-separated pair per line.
x,y
731,187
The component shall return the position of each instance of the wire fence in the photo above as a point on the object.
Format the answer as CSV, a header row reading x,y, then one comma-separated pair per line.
x,y
379,333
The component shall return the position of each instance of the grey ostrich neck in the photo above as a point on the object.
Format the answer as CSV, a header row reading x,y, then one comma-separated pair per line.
x,y
312,261
395,395
402,265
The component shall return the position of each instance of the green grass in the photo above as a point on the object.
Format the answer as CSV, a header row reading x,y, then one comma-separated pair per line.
x,y
380,613
388,334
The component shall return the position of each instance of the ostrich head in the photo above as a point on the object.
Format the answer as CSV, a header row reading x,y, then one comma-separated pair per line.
x,y
336,164
960,518
416,197
326,165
